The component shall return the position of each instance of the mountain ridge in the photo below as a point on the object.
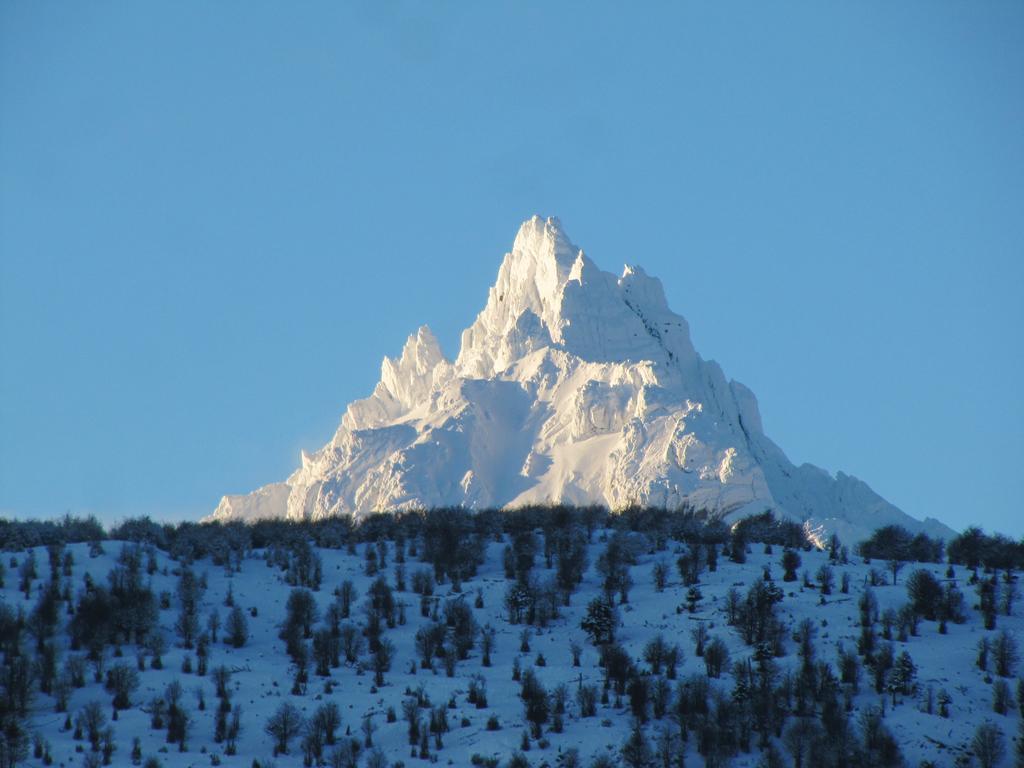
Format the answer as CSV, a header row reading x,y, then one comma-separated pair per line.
x,y
571,385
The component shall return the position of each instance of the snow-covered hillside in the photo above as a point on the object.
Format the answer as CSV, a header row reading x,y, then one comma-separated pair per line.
x,y
573,385
261,675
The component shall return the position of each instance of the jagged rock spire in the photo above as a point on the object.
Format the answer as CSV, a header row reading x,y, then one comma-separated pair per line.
x,y
571,385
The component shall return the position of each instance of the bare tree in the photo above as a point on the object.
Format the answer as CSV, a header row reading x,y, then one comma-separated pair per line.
x,y
1004,653
798,739
237,628
122,681
328,717
91,720
283,726
989,745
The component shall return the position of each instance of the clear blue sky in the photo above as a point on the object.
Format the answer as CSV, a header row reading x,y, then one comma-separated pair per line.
x,y
215,218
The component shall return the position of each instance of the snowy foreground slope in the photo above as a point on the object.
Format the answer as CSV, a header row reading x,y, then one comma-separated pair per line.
x,y
261,678
574,386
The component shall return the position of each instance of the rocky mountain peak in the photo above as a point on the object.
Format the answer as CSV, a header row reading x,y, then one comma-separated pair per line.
x,y
572,385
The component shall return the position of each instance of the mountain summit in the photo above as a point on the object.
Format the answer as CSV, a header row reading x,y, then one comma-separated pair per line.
x,y
572,385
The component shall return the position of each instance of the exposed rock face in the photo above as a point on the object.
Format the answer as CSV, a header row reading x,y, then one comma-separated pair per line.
x,y
572,385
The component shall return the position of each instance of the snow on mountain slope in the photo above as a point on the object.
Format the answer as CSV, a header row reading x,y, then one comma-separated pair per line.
x,y
572,385
262,674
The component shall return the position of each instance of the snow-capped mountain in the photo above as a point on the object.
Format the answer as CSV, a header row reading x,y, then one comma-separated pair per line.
x,y
572,385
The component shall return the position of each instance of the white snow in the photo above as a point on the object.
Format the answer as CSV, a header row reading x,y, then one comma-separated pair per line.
x,y
261,679
571,385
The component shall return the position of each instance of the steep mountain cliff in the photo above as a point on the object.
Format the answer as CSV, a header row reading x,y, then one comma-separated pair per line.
x,y
572,385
